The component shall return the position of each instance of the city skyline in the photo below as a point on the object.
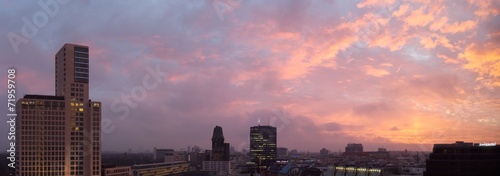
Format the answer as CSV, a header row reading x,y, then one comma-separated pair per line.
x,y
399,75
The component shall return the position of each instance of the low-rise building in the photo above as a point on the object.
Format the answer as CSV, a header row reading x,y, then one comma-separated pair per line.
x,y
160,169
174,156
221,167
112,170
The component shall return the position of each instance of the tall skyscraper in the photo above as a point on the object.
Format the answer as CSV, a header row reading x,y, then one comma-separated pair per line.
x,y
263,145
220,150
60,135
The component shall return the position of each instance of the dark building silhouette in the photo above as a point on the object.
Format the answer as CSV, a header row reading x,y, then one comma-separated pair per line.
x,y
220,150
281,152
463,159
324,151
352,147
263,145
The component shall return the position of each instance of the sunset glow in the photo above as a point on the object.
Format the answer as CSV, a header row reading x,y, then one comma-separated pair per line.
x,y
398,74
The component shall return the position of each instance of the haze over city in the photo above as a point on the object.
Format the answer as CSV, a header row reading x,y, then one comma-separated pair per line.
x,y
399,75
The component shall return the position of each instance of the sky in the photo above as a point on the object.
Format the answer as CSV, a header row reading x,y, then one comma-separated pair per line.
x,y
384,73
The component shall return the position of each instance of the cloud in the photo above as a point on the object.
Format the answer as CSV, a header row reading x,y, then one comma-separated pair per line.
x,y
401,11
371,109
342,71
395,129
374,3
419,17
332,126
459,27
483,59
486,8
369,70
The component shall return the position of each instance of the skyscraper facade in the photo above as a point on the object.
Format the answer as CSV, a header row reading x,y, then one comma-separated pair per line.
x,y
263,145
60,135
220,150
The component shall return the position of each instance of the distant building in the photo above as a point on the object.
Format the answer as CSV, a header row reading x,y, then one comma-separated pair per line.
x,y
159,154
196,159
232,150
220,167
160,169
463,158
353,147
263,145
281,152
112,170
416,170
196,149
220,150
292,168
324,151
174,156
343,170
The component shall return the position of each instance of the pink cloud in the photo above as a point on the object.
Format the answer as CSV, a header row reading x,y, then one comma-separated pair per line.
x,y
419,17
376,71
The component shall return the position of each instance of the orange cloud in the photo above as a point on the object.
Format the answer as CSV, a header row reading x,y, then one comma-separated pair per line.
x,y
374,30
401,11
459,27
323,54
438,24
485,8
447,59
419,17
433,40
389,39
285,36
374,2
369,70
483,59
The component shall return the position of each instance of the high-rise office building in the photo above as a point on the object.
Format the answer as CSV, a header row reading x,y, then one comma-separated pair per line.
x,y
220,150
60,135
353,147
462,158
263,145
